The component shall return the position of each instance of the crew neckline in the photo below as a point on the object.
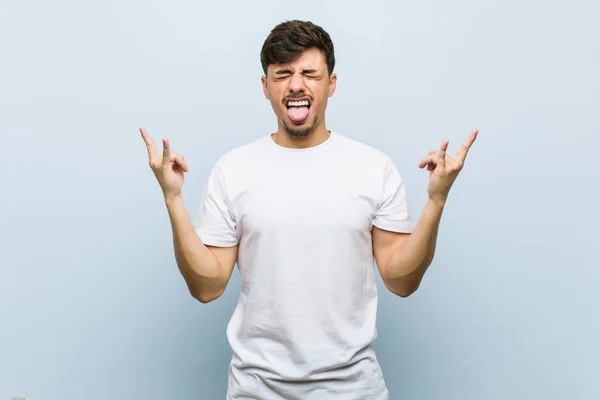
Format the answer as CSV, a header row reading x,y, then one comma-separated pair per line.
x,y
306,150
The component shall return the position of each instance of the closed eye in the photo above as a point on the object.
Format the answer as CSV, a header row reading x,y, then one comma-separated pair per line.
x,y
308,73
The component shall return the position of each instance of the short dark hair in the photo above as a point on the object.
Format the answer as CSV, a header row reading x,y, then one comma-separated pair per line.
x,y
288,40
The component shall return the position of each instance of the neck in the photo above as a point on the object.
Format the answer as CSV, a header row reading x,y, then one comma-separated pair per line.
x,y
284,139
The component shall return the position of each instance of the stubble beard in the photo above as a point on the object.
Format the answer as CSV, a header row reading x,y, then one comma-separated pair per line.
x,y
298,131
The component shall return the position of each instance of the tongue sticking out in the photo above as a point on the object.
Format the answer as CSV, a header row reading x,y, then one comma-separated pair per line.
x,y
298,114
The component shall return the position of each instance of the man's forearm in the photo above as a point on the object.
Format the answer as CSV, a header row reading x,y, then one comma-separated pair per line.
x,y
410,260
196,262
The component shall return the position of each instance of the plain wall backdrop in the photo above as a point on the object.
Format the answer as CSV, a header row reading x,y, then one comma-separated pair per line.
x,y
92,305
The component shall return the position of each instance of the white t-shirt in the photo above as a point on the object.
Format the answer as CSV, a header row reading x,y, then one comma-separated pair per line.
x,y
305,319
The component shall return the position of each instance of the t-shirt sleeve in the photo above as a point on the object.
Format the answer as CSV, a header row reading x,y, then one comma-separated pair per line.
x,y
215,222
392,212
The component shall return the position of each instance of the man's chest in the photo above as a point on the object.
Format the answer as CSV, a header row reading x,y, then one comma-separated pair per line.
x,y
305,204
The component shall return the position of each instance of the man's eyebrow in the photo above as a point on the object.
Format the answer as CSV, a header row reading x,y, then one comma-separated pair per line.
x,y
288,71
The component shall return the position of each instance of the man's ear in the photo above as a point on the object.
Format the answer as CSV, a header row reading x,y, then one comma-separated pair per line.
x,y
263,80
332,84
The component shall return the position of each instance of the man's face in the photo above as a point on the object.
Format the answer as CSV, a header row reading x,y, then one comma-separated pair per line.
x,y
298,92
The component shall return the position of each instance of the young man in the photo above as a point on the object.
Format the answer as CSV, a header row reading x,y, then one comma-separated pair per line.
x,y
304,212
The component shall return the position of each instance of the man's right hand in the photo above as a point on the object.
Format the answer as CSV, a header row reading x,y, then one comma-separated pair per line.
x,y
168,167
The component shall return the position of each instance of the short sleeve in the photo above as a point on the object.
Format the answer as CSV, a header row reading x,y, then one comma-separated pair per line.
x,y
392,213
215,223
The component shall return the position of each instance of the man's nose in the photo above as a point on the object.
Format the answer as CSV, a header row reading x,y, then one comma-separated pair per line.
x,y
297,83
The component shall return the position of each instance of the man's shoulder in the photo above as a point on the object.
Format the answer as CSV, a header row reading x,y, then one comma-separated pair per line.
x,y
242,154
363,150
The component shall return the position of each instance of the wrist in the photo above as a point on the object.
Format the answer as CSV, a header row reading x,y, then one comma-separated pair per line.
x,y
172,200
437,202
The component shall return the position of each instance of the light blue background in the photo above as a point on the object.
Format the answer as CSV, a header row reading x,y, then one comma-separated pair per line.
x,y
92,305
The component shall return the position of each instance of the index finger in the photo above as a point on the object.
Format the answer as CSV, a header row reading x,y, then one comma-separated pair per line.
x,y
150,146
442,154
461,154
166,159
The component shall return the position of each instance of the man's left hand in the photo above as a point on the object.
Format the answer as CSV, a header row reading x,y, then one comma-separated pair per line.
x,y
443,169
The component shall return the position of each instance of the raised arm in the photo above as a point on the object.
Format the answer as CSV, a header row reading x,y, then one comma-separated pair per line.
x,y
206,269
404,258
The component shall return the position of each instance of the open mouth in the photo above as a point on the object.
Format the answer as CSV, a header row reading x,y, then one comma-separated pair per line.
x,y
297,109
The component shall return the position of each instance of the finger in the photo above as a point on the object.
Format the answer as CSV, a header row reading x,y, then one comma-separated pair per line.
x,y
441,154
425,161
150,146
430,159
166,153
461,154
179,161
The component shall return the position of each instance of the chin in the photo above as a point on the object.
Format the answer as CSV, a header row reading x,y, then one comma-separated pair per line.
x,y
300,130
